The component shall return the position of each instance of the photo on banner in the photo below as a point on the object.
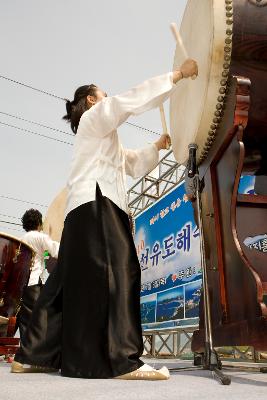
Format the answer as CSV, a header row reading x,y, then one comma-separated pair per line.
x,y
167,244
246,184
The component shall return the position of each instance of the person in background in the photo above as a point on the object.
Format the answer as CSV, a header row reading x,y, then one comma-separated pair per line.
x,y
40,242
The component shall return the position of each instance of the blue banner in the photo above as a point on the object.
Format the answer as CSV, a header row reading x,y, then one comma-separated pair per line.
x,y
167,243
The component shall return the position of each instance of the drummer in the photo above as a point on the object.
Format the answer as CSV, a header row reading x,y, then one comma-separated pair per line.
x,y
87,319
40,242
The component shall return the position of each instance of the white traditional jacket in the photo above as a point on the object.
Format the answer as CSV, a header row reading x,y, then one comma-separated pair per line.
x,y
40,242
98,154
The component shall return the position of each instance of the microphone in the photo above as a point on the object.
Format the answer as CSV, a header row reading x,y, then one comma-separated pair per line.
x,y
192,162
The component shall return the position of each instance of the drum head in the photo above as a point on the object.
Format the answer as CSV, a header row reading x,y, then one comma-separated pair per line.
x,y
54,220
193,104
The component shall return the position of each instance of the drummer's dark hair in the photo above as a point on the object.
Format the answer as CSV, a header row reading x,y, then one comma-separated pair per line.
x,y
78,105
31,219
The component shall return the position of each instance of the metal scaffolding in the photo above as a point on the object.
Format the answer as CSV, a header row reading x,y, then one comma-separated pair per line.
x,y
141,195
154,185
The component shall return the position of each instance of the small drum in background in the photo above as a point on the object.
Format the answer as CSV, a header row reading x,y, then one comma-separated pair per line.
x,y
54,223
195,106
16,259
54,219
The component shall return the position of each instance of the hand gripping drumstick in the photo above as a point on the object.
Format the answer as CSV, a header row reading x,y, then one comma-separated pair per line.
x,y
179,41
163,122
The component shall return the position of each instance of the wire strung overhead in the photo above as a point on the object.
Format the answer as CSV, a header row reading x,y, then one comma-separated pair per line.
x,y
22,201
36,123
11,229
9,216
142,128
35,133
10,223
32,88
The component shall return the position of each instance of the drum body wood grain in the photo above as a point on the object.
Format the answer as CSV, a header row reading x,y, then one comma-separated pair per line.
x,y
249,59
16,260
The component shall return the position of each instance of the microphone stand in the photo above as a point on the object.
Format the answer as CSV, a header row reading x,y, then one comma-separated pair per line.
x,y
210,359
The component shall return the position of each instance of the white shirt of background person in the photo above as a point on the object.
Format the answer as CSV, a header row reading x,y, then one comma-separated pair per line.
x,y
40,242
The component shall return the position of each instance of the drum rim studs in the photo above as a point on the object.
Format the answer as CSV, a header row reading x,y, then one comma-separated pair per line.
x,y
211,133
227,49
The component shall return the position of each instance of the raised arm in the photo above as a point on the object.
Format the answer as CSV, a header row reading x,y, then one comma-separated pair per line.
x,y
109,113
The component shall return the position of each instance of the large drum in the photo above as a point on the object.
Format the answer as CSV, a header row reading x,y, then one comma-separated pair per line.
x,y
195,107
224,111
16,260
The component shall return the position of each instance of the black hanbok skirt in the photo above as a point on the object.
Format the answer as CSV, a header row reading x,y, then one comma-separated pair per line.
x,y
86,321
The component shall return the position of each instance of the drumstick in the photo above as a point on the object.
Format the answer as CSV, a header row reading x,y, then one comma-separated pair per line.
x,y
163,122
179,41
163,119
